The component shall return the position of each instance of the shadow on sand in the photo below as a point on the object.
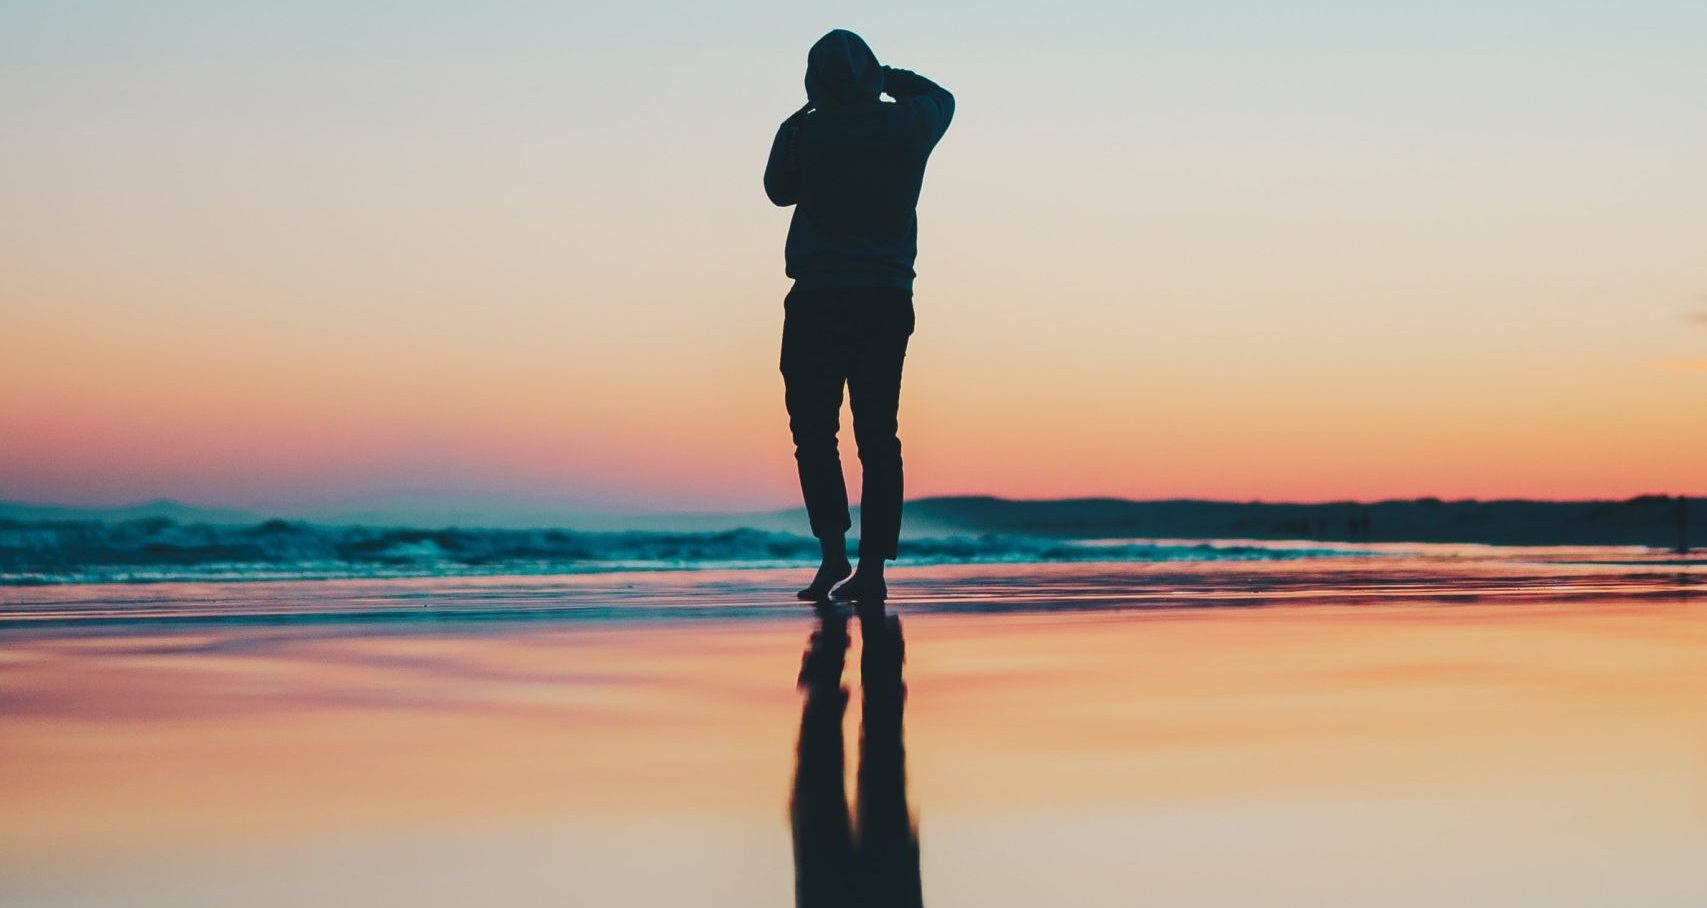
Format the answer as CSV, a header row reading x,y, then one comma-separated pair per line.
x,y
871,856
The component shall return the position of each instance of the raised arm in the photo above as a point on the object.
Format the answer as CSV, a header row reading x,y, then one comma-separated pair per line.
x,y
933,103
782,171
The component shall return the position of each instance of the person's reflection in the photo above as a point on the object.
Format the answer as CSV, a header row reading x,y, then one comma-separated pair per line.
x,y
837,861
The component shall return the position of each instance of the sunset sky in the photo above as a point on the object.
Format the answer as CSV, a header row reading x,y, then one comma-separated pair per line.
x,y
273,255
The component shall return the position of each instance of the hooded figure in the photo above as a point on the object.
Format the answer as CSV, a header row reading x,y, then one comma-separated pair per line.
x,y
851,164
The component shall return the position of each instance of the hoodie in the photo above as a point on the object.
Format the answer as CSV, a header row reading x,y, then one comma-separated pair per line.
x,y
852,166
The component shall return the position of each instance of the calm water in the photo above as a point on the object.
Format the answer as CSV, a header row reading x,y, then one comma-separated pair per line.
x,y
1462,728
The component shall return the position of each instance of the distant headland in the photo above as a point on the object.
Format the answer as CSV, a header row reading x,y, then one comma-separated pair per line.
x,y
1650,520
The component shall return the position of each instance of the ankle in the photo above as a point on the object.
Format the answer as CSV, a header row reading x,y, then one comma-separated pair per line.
x,y
835,549
870,567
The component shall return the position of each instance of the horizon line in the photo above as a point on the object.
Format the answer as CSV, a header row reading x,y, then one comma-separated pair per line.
x,y
168,501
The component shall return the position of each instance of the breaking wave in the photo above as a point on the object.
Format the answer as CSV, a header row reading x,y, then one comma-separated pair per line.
x,y
156,550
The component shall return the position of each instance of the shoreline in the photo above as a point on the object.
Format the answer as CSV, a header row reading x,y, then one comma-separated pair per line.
x,y
1445,577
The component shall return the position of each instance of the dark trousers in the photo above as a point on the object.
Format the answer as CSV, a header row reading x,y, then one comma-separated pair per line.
x,y
855,337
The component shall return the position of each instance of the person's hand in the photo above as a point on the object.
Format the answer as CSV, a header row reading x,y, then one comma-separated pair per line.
x,y
795,118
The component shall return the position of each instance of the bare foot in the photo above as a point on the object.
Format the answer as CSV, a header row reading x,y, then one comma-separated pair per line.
x,y
863,587
829,572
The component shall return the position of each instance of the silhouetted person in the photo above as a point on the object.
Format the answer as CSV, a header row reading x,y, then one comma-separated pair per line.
x,y
839,863
852,166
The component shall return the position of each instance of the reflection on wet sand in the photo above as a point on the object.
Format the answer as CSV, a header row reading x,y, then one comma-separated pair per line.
x,y
871,858
1411,735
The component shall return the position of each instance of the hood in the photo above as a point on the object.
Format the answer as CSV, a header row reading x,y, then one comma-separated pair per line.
x,y
841,69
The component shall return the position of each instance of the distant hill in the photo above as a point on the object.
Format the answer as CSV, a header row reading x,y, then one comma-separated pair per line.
x,y
1652,520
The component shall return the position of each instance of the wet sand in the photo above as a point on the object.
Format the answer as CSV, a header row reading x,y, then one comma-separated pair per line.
x,y
1460,729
